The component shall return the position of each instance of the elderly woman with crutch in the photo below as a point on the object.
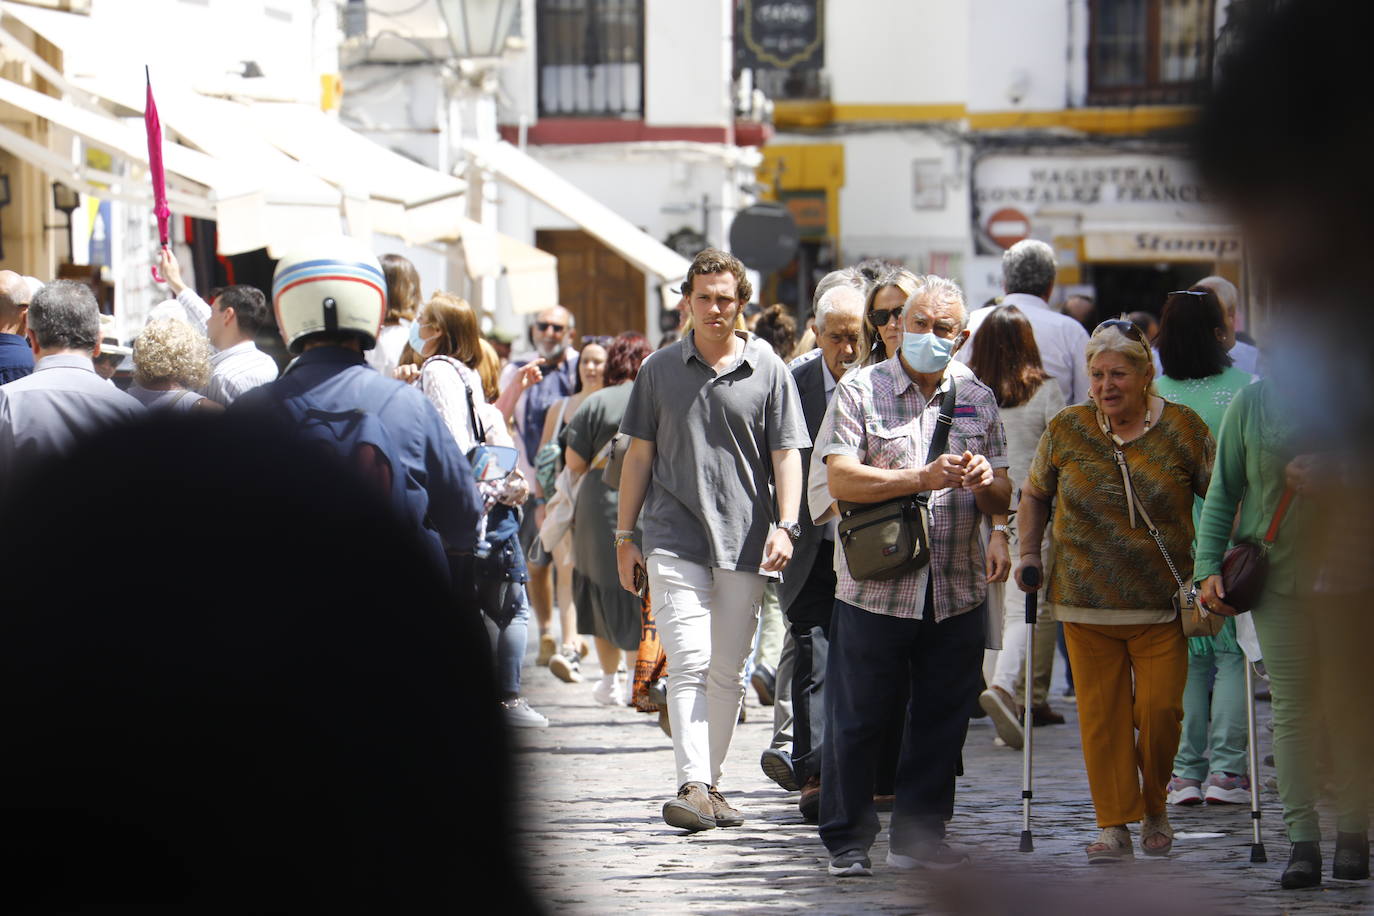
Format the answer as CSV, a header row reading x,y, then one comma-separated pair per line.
x,y
1123,471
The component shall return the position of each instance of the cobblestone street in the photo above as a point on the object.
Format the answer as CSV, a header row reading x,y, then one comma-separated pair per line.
x,y
596,778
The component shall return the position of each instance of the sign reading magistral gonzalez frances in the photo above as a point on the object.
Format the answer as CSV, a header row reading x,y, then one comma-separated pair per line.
x,y
780,34
1127,187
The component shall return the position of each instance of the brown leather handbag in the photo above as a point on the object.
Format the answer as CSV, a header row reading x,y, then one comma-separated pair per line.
x,y
1245,567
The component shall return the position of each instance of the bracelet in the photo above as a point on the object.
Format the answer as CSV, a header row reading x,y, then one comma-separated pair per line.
x,y
624,538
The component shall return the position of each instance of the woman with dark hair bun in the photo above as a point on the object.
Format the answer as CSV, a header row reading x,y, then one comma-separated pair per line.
x,y
1211,764
1007,360
603,607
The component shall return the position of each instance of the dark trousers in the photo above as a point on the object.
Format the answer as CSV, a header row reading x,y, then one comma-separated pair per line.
x,y
809,620
941,663
808,617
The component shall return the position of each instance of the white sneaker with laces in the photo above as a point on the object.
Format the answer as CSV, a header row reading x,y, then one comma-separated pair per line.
x,y
519,714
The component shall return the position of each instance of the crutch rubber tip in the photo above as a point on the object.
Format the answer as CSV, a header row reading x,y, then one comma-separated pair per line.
x,y
1027,844
1257,853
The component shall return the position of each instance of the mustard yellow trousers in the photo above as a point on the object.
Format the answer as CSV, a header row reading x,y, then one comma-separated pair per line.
x,y
1129,680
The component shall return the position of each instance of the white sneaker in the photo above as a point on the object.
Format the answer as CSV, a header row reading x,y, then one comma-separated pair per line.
x,y
610,691
519,715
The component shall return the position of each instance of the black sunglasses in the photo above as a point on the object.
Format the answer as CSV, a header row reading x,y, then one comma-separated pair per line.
x,y
1200,293
542,326
879,317
1129,328
602,342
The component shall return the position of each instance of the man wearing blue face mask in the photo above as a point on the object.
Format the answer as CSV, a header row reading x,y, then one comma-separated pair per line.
x,y
927,625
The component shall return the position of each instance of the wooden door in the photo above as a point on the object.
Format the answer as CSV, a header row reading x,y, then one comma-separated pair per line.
x,y
602,290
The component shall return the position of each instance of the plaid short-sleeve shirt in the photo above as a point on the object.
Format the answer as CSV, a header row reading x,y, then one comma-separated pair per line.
x,y
881,419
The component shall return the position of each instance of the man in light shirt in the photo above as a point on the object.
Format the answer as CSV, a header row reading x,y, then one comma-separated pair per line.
x,y
1244,356
63,400
1028,277
232,321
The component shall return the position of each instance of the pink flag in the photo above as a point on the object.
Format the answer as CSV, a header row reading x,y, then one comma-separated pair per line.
x,y
154,126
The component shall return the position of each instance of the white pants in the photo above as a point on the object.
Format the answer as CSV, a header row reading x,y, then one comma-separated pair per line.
x,y
706,619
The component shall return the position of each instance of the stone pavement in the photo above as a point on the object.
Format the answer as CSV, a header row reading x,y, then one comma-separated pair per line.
x,y
595,780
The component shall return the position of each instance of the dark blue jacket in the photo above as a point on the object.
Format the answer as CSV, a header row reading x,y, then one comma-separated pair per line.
x,y
16,357
441,495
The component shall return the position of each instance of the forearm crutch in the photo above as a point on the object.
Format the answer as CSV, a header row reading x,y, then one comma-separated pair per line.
x,y
1257,847
1031,576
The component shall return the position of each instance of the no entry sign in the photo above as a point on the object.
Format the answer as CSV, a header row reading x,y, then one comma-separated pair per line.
x,y
1008,226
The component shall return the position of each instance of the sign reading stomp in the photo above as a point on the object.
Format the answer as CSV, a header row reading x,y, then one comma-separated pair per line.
x,y
780,34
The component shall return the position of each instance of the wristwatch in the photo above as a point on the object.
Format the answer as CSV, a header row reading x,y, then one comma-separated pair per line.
x,y
1002,528
793,530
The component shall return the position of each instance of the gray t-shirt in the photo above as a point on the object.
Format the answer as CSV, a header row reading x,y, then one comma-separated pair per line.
x,y
709,499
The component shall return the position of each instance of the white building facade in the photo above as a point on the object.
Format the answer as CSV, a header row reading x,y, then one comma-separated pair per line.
x,y
936,133
629,102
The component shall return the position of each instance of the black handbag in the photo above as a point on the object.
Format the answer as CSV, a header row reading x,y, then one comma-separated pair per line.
x,y
890,539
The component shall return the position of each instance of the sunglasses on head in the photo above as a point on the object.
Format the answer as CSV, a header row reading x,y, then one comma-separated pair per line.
x,y
1129,328
542,326
1189,292
880,317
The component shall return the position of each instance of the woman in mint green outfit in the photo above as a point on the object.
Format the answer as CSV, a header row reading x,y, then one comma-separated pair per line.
x,y
1211,764
1254,445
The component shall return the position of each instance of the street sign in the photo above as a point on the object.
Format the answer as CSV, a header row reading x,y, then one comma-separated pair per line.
x,y
1008,226
764,237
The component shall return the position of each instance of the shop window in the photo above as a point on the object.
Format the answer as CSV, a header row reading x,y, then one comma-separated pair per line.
x,y
1149,51
591,58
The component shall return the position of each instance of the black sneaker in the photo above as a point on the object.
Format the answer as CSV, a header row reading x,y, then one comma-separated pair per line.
x,y
1351,861
777,766
691,810
932,854
765,682
852,863
1304,867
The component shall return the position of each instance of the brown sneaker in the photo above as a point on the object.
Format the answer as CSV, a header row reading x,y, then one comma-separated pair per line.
x,y
692,810
725,815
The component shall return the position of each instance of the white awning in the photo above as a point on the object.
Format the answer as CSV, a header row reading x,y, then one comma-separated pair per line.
x,y
633,244
254,209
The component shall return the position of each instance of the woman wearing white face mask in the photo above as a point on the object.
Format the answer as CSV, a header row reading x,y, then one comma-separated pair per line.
x,y
445,335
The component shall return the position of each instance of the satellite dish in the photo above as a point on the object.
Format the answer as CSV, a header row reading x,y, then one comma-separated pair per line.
x,y
765,237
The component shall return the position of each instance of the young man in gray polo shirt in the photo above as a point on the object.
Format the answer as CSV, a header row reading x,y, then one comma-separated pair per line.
x,y
711,419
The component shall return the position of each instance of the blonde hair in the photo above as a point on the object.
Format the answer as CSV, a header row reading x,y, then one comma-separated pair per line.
x,y
169,350
871,346
489,370
1109,339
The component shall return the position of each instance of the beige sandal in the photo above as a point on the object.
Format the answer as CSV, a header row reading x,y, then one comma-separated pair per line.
x,y
1113,845
1156,825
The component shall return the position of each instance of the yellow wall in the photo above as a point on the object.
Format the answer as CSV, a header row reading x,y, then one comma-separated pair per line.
x,y
1142,119
805,167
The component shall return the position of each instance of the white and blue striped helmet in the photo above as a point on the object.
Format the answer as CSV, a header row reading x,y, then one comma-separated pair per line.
x,y
329,285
